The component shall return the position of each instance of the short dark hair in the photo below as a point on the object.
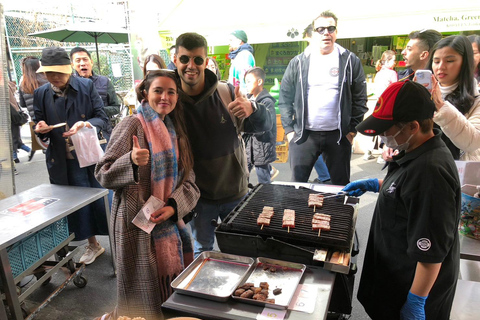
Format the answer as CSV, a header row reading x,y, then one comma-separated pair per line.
x,y
327,14
426,37
172,47
426,125
257,72
190,41
79,49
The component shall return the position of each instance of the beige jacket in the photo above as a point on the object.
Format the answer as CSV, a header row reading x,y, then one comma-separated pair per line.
x,y
463,130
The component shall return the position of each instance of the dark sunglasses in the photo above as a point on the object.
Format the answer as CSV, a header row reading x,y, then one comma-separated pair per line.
x,y
186,59
330,29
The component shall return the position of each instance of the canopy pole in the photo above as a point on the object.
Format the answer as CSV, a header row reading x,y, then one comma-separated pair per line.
x,y
98,57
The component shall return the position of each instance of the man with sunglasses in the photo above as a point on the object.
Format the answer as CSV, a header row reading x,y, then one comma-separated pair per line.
x,y
322,99
215,118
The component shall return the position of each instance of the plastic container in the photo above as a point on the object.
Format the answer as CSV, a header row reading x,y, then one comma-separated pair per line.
x,y
26,252
470,214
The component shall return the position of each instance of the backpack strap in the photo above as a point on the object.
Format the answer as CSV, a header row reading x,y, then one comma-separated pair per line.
x,y
226,96
225,93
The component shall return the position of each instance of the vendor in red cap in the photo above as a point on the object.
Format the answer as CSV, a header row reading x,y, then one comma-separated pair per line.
x,y
412,258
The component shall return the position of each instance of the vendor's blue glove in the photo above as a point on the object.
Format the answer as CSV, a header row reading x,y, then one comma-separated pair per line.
x,y
359,187
414,308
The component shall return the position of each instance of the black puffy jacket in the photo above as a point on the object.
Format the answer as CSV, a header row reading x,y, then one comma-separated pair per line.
x,y
260,147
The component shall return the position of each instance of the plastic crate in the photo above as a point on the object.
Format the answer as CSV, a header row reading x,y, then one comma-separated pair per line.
x,y
26,252
282,152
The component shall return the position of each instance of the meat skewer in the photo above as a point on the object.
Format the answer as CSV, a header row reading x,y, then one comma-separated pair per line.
x,y
315,200
265,217
321,222
288,219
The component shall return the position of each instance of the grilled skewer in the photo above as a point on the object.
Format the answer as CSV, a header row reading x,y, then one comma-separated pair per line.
x,y
288,219
265,217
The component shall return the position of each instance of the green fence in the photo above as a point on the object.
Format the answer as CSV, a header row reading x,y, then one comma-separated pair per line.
x,y
115,59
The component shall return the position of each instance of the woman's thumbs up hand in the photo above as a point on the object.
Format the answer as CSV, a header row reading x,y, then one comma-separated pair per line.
x,y
139,156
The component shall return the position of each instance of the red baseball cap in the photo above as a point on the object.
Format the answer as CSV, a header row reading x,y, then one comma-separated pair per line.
x,y
400,102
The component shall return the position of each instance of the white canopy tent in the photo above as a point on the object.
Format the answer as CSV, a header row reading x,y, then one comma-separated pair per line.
x,y
268,21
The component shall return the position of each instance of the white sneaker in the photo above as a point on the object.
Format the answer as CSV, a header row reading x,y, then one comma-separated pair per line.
x,y
380,160
91,254
368,155
274,173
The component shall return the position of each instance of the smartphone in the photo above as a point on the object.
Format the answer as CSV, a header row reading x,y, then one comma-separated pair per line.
x,y
424,77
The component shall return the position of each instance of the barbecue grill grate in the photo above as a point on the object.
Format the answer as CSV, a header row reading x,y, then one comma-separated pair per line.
x,y
243,219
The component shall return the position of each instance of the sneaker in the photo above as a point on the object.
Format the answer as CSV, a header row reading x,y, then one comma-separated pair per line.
x,y
31,154
368,155
380,160
274,173
16,172
91,254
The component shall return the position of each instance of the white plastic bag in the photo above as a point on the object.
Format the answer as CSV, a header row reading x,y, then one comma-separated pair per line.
x,y
87,146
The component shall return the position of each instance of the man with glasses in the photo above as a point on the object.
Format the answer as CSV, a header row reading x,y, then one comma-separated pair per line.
x,y
214,123
322,99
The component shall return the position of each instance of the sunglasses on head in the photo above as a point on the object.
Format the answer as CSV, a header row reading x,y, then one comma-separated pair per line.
x,y
197,60
330,29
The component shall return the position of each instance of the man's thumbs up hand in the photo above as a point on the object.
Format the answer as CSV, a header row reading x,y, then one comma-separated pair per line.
x,y
139,156
241,107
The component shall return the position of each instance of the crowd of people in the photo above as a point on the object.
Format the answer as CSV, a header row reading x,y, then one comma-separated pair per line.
x,y
195,138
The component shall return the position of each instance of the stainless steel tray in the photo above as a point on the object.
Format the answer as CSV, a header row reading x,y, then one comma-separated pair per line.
x,y
213,275
287,277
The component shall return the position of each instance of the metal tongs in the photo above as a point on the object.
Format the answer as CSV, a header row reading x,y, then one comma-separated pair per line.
x,y
339,194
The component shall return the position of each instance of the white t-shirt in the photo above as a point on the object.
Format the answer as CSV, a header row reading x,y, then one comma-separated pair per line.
x,y
323,112
383,79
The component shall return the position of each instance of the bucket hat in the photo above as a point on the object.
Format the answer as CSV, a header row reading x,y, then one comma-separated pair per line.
x,y
55,59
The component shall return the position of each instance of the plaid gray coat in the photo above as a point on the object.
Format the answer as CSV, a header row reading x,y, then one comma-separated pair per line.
x,y
138,285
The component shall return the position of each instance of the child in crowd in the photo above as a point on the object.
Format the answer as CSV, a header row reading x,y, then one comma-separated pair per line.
x,y
260,147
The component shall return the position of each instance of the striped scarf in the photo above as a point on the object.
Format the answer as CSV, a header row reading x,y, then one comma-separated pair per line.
x,y
162,143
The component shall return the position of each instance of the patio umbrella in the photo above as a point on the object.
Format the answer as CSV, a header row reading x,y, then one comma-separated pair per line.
x,y
85,32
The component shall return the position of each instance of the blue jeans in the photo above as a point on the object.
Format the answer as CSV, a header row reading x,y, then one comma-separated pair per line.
x,y
263,172
23,147
321,169
90,220
202,229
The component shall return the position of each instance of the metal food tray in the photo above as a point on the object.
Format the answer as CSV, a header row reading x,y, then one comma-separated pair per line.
x,y
287,277
213,275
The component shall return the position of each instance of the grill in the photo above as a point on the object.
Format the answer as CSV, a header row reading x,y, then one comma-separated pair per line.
x,y
243,219
239,234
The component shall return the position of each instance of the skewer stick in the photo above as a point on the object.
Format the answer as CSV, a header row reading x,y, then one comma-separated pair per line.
x,y
262,227
314,207
319,232
288,229
196,273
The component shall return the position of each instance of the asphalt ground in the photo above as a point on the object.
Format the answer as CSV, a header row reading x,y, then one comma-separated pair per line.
x,y
99,295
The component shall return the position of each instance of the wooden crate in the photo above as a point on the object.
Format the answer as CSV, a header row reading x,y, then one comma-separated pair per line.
x,y
280,130
282,152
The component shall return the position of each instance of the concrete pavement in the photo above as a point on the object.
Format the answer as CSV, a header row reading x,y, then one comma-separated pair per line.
x,y
99,295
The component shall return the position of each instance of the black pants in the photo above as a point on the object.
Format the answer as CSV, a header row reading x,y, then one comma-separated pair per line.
x,y
337,156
